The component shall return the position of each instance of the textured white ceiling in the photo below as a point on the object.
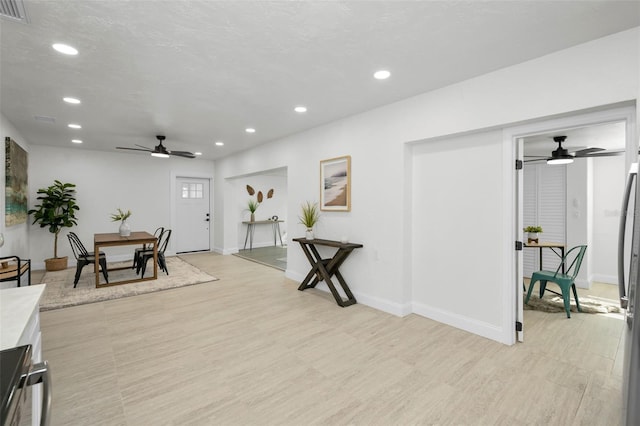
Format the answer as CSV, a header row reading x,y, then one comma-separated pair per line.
x,y
202,71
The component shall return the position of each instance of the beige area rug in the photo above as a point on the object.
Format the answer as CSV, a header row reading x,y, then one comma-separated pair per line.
x,y
590,304
59,292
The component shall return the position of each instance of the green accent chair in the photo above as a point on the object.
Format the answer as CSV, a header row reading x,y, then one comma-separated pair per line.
x,y
566,281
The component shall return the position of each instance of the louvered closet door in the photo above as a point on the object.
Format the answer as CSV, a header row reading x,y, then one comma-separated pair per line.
x,y
545,195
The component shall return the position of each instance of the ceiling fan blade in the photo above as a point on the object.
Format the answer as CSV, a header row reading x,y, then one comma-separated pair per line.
x,y
586,151
604,154
537,160
185,154
145,147
134,149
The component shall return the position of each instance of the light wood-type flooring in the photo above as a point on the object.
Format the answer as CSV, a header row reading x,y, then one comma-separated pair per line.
x,y
250,349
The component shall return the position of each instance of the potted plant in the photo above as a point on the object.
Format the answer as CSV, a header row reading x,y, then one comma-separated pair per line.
x,y
310,216
56,210
252,206
532,233
122,216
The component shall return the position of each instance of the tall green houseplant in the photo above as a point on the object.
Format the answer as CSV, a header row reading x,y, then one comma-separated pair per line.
x,y
57,210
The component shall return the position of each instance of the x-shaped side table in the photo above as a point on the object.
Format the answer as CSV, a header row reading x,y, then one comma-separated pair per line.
x,y
324,269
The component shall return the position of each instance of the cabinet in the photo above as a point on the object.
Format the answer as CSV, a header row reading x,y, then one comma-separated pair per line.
x,y
20,325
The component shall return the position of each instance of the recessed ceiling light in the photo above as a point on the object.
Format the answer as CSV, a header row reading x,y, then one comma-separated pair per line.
x,y
71,100
250,130
197,153
74,126
66,49
76,141
219,143
381,75
300,109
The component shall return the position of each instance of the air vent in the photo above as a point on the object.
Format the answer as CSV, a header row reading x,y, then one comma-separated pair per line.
x,y
45,119
14,10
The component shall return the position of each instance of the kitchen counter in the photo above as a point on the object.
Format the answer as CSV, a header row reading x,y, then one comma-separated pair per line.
x,y
17,307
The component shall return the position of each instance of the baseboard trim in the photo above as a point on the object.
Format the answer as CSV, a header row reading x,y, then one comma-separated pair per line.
x,y
471,325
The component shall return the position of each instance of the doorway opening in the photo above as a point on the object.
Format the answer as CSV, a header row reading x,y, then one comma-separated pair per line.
x,y
577,203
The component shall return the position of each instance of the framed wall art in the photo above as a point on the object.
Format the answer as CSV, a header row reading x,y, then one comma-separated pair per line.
x,y
335,184
16,183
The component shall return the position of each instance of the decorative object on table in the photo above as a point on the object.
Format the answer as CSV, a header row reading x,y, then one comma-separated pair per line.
x,y
56,210
533,233
122,216
16,183
252,205
310,216
4,264
335,181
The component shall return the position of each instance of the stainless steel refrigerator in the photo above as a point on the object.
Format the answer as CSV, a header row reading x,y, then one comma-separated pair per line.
x,y
629,254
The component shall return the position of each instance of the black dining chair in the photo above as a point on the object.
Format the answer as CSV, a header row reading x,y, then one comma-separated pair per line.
x,y
136,253
145,255
84,257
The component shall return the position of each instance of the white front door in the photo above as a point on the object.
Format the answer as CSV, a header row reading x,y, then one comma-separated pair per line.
x,y
192,215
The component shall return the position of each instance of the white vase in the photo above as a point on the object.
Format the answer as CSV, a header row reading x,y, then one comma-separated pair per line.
x,y
125,229
532,237
309,234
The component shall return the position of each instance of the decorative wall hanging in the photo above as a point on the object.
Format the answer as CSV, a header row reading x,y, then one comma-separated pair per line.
x,y
335,181
16,183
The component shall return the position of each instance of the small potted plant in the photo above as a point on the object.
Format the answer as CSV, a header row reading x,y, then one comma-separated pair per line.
x,y
122,216
56,210
252,206
533,233
310,216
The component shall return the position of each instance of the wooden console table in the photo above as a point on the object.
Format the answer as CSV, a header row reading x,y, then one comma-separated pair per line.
x,y
114,239
324,269
251,226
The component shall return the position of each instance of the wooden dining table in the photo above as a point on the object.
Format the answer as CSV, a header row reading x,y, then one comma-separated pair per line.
x,y
115,239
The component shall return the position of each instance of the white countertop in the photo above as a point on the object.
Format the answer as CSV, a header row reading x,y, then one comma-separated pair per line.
x,y
16,307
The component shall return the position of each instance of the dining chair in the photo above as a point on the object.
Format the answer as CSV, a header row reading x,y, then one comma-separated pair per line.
x,y
565,281
145,255
84,257
136,253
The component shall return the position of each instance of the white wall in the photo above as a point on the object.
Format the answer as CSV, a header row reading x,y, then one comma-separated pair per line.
x,y
580,215
16,241
458,262
609,182
601,72
105,181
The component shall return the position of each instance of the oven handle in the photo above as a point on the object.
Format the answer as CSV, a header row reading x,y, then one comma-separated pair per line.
x,y
42,374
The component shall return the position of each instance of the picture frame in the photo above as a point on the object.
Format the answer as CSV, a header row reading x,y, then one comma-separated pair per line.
x,y
335,184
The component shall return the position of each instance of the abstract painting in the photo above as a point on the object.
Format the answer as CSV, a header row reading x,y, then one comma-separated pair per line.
x,y
16,183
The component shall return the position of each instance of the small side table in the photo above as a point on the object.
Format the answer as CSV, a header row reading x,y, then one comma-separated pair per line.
x,y
275,224
324,269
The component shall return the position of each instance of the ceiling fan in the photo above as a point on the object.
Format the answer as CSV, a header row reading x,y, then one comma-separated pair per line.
x,y
160,150
562,155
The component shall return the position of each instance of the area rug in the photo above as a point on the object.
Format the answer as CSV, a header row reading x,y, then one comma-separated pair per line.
x,y
589,304
59,292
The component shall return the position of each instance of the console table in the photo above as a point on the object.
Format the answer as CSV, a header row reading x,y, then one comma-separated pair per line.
x,y
324,269
275,224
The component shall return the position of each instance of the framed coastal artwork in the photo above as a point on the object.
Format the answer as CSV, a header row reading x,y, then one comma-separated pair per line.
x,y
335,184
16,188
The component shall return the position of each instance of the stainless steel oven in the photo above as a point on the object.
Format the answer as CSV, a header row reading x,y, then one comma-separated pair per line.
x,y
17,373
